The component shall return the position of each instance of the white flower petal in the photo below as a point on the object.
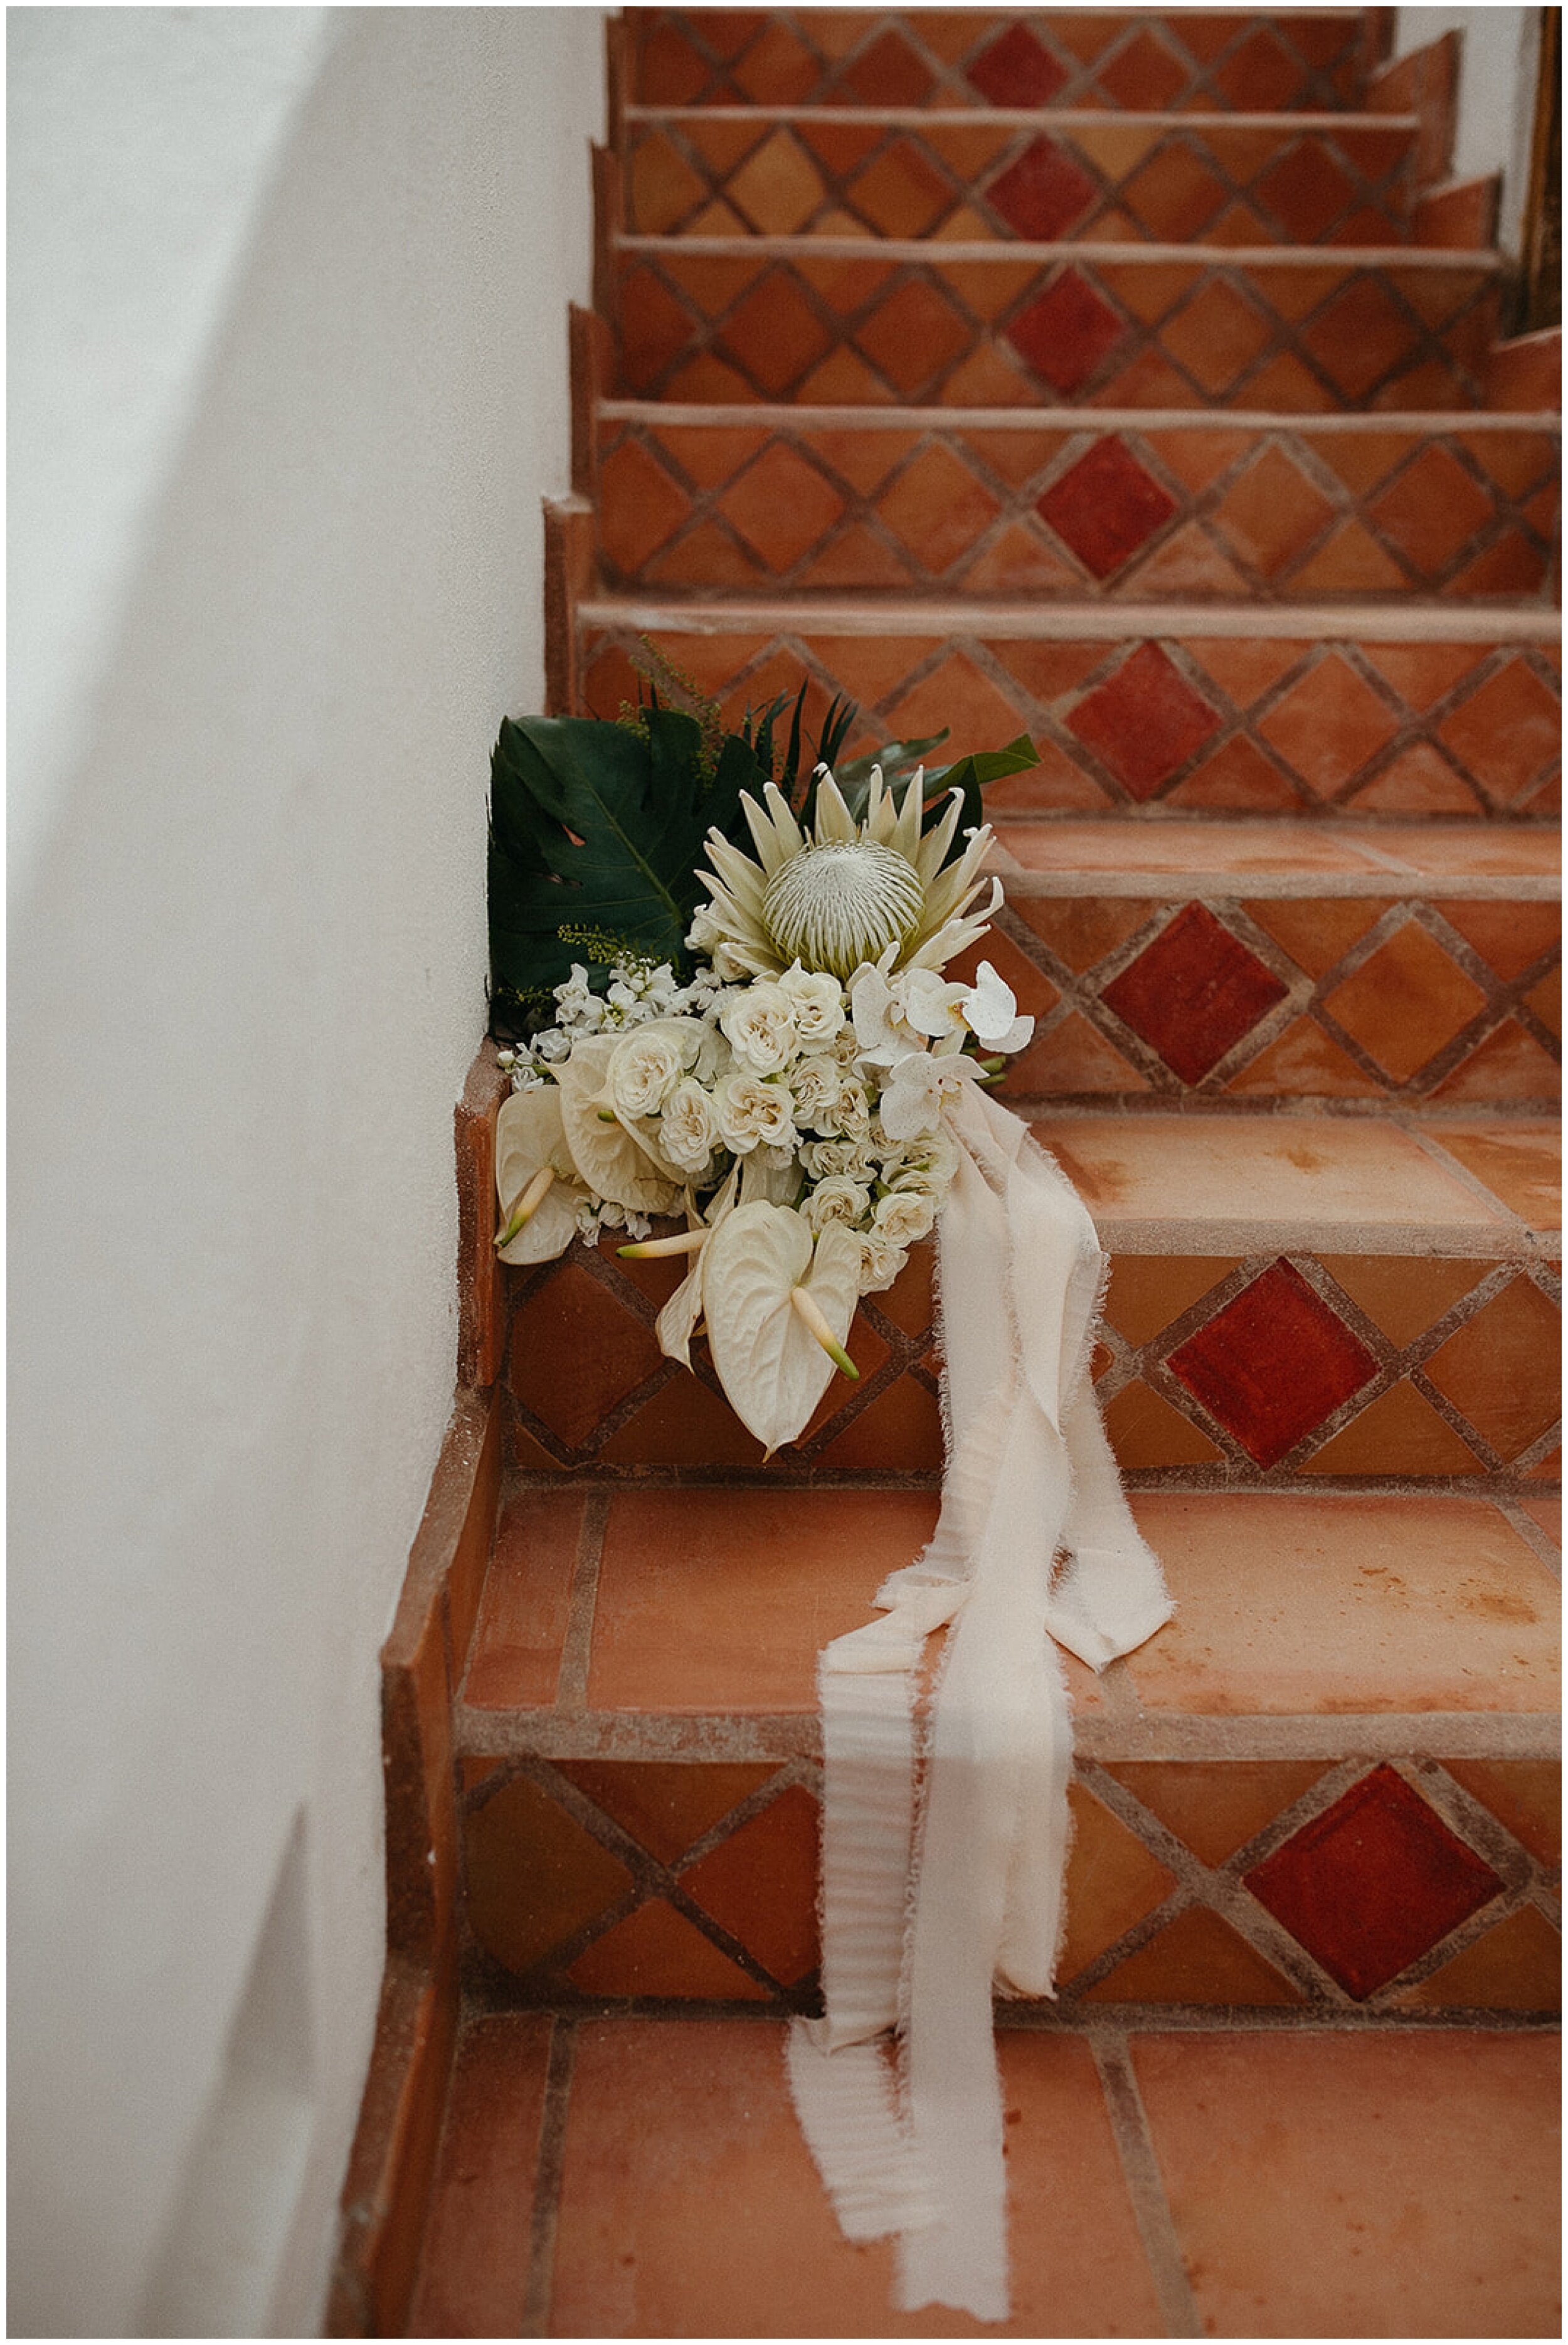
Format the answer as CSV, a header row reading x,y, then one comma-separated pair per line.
x,y
611,1158
770,1366
529,1135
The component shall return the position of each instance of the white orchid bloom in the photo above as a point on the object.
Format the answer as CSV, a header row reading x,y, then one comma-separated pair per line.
x,y
933,1006
990,1011
911,1104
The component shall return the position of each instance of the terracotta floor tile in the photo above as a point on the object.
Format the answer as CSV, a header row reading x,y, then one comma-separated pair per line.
x,y
657,1952
523,1614
722,1600
1197,1958
1318,1606
1216,1806
1525,1794
1273,1362
1519,1163
1518,1966
666,1808
1502,1369
1405,1001
1473,852
671,2122
1288,1172
1360,2185
760,1884
533,1874
474,2266
1112,1882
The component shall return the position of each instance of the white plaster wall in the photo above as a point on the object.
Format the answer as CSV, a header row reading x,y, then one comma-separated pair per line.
x,y
1496,95
288,296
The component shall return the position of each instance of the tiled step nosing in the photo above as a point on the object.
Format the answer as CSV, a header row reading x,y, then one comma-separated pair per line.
x,y
728,1739
803,418
1113,869
1010,251
1017,118
1404,620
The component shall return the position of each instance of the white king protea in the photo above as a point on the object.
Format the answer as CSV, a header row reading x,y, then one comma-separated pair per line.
x,y
839,896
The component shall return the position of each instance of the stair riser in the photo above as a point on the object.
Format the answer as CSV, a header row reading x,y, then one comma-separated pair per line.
x,y
1375,1000
1067,513
1223,62
1175,181
611,1879
1189,724
770,318
1271,1365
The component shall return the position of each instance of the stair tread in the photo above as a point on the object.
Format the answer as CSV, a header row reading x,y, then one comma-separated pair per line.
x,y
1044,117
1008,251
1307,1624
679,2201
805,416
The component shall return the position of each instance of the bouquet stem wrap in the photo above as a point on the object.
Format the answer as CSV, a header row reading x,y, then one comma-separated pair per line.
x,y
929,1905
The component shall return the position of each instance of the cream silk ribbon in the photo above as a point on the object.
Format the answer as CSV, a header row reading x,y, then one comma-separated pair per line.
x,y
928,1905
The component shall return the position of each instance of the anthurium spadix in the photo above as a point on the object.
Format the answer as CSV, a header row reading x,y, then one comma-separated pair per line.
x,y
771,1362
537,1183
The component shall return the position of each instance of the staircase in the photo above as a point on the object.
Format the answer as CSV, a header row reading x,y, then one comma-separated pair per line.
x,y
1135,380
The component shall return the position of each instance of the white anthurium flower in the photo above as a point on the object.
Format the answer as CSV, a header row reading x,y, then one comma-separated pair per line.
x,y
847,893
990,1011
613,1157
911,1103
778,1310
537,1186
676,1323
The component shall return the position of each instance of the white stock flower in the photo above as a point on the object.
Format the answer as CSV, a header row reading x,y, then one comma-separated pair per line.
x,y
904,1216
689,1130
577,1006
817,1001
752,1112
835,1199
552,1045
647,1067
991,1009
759,1022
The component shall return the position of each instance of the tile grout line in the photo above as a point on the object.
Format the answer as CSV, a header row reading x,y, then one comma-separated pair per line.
x,y
535,2318
577,1649
1146,2187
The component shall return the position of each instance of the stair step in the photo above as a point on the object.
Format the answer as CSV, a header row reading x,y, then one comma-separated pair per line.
x,y
1249,964
1140,62
1051,503
1395,712
831,320
1295,1297
672,2196
1161,179
637,1744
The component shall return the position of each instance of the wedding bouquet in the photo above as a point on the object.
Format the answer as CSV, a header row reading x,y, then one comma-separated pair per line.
x,y
778,1081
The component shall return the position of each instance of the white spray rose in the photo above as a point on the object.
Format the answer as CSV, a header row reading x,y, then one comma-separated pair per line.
x,y
650,1063
689,1132
835,1199
816,1083
904,1216
879,1263
818,1002
752,1112
760,1025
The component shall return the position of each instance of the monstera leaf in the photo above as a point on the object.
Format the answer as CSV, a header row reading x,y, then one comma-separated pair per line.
x,y
599,826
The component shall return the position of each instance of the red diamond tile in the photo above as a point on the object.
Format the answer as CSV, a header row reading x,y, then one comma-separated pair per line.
x,y
1193,992
1369,1887
1068,333
1042,193
1016,71
1144,722
1273,1364
1105,507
